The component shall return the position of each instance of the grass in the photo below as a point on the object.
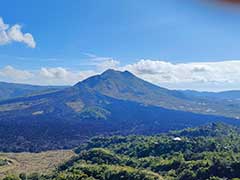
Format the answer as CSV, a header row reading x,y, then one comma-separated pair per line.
x,y
43,162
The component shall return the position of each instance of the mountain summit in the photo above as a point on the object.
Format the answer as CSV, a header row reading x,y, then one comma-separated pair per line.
x,y
126,86
108,76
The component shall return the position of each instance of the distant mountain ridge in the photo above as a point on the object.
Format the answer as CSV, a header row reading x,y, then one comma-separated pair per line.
x,y
232,94
14,90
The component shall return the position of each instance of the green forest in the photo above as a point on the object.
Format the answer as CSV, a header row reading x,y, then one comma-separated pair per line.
x,y
210,152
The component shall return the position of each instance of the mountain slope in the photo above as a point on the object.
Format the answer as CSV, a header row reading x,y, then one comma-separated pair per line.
x,y
13,90
226,103
126,86
111,103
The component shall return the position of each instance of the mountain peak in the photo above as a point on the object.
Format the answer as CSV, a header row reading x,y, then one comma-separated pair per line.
x,y
125,85
110,71
116,72
109,76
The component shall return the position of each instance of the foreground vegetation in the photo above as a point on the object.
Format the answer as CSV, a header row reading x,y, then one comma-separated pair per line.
x,y
207,153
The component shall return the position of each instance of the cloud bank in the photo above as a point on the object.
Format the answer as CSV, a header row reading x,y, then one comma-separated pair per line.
x,y
199,76
43,76
210,76
9,34
162,71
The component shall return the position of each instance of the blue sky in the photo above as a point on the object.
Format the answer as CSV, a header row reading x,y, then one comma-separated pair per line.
x,y
76,37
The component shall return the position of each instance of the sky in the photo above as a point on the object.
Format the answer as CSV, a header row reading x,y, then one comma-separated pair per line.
x,y
187,44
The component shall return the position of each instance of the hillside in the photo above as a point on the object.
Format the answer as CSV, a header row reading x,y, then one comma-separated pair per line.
x,y
13,90
126,86
210,152
224,95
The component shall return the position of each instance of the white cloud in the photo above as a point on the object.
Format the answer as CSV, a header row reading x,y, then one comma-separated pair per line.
x,y
223,72
200,74
102,63
108,64
14,74
211,76
44,76
61,75
14,34
3,26
3,34
56,73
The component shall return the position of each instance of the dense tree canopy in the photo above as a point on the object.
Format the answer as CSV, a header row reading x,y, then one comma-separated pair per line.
x,y
207,153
